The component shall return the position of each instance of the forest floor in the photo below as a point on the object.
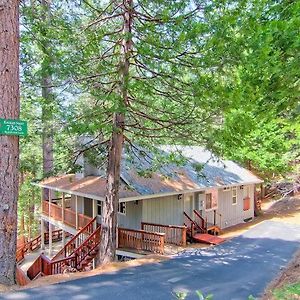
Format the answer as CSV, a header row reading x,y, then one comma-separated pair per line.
x,y
284,210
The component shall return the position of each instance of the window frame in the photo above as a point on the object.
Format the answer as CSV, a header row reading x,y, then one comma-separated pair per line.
x,y
247,193
120,210
211,201
234,195
99,205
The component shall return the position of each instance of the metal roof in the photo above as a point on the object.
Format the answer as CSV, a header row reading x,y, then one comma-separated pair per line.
x,y
201,170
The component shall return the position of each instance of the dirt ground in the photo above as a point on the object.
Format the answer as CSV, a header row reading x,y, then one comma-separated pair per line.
x,y
284,210
289,276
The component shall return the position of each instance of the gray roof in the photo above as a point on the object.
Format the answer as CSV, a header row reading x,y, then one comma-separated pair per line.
x,y
202,170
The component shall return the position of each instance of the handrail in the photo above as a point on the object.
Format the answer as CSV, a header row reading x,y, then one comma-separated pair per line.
x,y
162,225
142,231
204,224
34,244
82,253
74,238
70,216
192,221
44,266
174,234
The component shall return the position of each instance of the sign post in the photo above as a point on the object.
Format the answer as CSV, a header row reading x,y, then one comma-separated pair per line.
x,y
13,127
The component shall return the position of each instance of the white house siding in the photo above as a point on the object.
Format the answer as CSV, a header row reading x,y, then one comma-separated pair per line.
x,y
133,217
164,210
234,214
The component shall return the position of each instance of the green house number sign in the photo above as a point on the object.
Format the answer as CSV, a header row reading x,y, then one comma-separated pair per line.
x,y
13,127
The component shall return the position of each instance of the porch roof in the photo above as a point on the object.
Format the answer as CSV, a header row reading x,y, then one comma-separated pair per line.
x,y
91,186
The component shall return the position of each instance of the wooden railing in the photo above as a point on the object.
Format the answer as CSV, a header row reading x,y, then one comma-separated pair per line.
x,y
200,220
58,266
70,217
191,225
83,220
36,243
87,246
56,212
35,269
173,234
77,240
74,252
141,240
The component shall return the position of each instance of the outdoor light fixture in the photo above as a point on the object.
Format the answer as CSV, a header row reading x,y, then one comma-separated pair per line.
x,y
180,196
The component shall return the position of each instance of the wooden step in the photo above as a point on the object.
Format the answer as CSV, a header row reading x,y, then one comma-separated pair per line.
x,y
208,238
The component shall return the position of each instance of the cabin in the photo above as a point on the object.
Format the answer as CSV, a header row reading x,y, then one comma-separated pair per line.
x,y
221,192
172,202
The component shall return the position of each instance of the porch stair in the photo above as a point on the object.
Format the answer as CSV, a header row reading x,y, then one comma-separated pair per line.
x,y
208,238
201,231
76,255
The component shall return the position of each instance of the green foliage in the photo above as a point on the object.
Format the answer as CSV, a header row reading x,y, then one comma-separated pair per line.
x,y
201,296
288,292
260,49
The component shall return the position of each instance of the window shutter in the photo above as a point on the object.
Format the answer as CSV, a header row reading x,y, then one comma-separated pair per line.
x,y
246,203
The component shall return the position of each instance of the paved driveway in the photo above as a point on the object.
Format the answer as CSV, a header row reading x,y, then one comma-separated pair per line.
x,y
234,270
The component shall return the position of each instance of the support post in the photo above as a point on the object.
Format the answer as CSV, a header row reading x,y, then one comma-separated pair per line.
x,y
215,217
94,213
49,197
63,238
63,205
184,236
76,212
42,234
50,239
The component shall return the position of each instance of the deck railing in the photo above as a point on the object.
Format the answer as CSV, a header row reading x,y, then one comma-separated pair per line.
x,y
56,212
200,220
36,243
141,240
88,240
173,234
77,240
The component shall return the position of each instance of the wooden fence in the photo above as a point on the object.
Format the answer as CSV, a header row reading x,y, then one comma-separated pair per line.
x,y
141,240
173,234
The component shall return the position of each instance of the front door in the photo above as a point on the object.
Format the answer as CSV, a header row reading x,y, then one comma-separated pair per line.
x,y
189,204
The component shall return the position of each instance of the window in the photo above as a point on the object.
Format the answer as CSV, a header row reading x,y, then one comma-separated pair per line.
x,y
226,189
234,195
247,191
99,208
208,201
122,208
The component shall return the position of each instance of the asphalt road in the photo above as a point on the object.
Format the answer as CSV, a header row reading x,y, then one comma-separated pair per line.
x,y
234,270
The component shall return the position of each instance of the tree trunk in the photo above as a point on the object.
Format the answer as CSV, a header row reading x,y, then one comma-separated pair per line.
x,y
47,114
108,244
9,145
110,208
